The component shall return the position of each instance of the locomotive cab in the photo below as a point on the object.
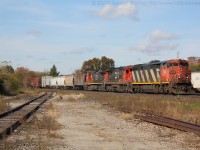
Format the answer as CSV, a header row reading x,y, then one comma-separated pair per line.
x,y
89,77
176,71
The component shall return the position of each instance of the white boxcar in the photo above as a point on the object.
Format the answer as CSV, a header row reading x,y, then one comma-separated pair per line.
x,y
46,81
54,83
61,81
43,82
195,79
69,81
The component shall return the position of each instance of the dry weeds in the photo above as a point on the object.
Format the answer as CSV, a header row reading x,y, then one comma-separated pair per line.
x,y
185,108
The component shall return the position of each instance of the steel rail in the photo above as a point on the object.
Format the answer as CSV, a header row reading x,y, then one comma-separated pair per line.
x,y
5,113
13,118
169,122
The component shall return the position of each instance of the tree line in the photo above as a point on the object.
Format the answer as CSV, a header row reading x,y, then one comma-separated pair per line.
x,y
11,80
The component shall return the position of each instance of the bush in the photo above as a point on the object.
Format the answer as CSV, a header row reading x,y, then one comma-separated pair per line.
x,y
2,90
195,68
11,83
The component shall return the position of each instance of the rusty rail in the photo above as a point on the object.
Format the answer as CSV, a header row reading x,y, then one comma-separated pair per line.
x,y
13,118
168,122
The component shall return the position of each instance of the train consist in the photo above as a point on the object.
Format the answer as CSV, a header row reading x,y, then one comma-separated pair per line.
x,y
172,76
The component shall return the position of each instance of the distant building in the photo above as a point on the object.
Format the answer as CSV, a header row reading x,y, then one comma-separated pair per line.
x,y
193,60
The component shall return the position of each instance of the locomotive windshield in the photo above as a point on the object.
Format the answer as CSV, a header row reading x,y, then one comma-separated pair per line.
x,y
183,64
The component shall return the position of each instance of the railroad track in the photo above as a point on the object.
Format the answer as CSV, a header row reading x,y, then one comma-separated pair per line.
x,y
13,118
120,93
168,122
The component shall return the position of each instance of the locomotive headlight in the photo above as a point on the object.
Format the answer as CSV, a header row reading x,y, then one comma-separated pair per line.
x,y
179,77
186,77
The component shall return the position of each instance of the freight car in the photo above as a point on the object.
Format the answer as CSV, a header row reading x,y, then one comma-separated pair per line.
x,y
36,82
195,79
79,80
69,82
46,81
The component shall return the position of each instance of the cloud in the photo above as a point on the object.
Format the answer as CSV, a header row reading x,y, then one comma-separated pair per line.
x,y
156,42
158,35
33,33
123,10
155,47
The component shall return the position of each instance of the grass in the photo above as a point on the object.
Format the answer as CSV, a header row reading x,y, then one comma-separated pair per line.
x,y
4,105
192,106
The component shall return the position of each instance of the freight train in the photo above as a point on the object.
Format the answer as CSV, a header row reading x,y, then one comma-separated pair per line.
x,y
171,76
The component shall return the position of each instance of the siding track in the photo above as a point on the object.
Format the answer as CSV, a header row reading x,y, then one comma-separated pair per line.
x,y
13,118
168,122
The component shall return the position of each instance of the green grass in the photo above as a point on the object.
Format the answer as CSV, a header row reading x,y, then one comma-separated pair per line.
x,y
192,106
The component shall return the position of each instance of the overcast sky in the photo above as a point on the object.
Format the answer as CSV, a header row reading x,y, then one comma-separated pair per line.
x,y
39,33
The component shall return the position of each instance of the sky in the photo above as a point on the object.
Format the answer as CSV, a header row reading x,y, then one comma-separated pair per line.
x,y
39,33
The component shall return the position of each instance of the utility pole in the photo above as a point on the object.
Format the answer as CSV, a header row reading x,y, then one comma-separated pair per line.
x,y
177,55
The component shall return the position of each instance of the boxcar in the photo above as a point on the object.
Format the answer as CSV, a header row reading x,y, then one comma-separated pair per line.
x,y
69,81
60,82
53,82
195,79
79,80
46,81
37,82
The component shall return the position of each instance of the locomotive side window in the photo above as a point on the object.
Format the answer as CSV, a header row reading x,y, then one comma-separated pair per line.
x,y
183,64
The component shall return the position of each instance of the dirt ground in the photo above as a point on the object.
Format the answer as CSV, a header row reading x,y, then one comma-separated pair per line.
x,y
87,125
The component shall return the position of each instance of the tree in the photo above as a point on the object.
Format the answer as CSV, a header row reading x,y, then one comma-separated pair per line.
x,y
11,83
25,76
107,63
2,89
7,69
195,67
53,71
97,64
8,80
154,61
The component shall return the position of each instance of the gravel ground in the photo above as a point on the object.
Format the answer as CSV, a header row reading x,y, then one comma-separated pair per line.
x,y
87,125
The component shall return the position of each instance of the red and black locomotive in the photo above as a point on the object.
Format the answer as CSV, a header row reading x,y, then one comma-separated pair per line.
x,y
172,76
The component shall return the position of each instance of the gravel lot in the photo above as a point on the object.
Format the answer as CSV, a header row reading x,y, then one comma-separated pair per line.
x,y
88,125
